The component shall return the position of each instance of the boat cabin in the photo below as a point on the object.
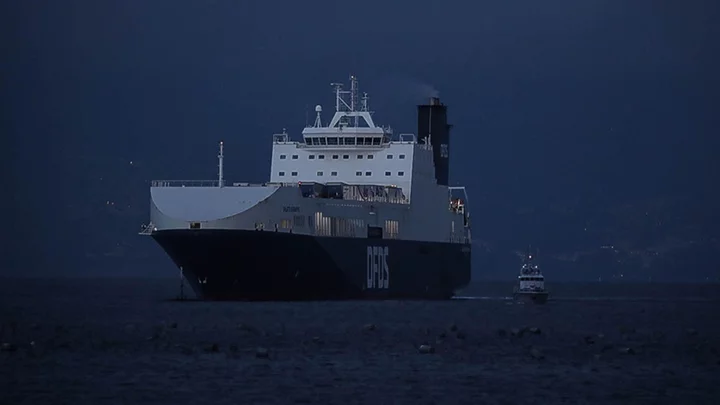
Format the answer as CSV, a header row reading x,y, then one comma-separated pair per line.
x,y
531,283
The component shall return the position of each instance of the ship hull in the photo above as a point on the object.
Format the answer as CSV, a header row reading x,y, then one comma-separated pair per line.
x,y
266,265
531,297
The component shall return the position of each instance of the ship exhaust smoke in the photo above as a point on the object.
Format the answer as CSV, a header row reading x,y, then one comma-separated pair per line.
x,y
394,91
427,91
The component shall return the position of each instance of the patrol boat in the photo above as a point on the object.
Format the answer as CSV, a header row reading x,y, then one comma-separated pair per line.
x,y
350,211
531,282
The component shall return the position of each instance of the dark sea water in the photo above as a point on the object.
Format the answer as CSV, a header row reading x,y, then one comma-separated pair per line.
x,y
97,341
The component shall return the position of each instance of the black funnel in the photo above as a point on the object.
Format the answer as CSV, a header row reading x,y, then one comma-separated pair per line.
x,y
432,125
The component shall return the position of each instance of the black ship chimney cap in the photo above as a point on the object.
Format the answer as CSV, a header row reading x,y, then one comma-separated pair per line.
x,y
434,100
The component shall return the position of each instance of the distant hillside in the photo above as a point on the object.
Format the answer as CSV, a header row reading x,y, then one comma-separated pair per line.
x,y
663,239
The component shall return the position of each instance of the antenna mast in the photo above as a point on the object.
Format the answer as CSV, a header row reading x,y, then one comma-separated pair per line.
x,y
353,97
341,105
220,166
338,98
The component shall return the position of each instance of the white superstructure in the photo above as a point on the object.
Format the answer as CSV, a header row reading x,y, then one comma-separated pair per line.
x,y
350,149
338,180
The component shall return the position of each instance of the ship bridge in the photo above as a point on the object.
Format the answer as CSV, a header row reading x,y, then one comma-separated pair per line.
x,y
350,125
351,149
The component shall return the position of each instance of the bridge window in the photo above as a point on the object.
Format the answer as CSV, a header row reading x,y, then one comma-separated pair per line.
x,y
387,173
293,174
346,157
282,156
389,156
335,156
371,157
321,156
332,141
401,157
401,173
319,173
311,157
281,173
368,173
358,173
360,156
333,173
294,157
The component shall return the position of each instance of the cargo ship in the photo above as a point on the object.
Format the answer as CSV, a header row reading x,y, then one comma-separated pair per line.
x,y
350,211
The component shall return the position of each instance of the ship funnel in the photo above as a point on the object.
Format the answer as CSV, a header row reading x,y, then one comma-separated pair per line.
x,y
433,126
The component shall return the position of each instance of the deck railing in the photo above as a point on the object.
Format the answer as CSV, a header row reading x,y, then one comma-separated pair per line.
x,y
212,183
184,183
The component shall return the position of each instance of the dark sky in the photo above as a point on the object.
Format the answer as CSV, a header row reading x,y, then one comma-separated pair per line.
x,y
615,99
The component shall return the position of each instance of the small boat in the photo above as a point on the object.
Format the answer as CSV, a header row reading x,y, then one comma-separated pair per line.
x,y
531,283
